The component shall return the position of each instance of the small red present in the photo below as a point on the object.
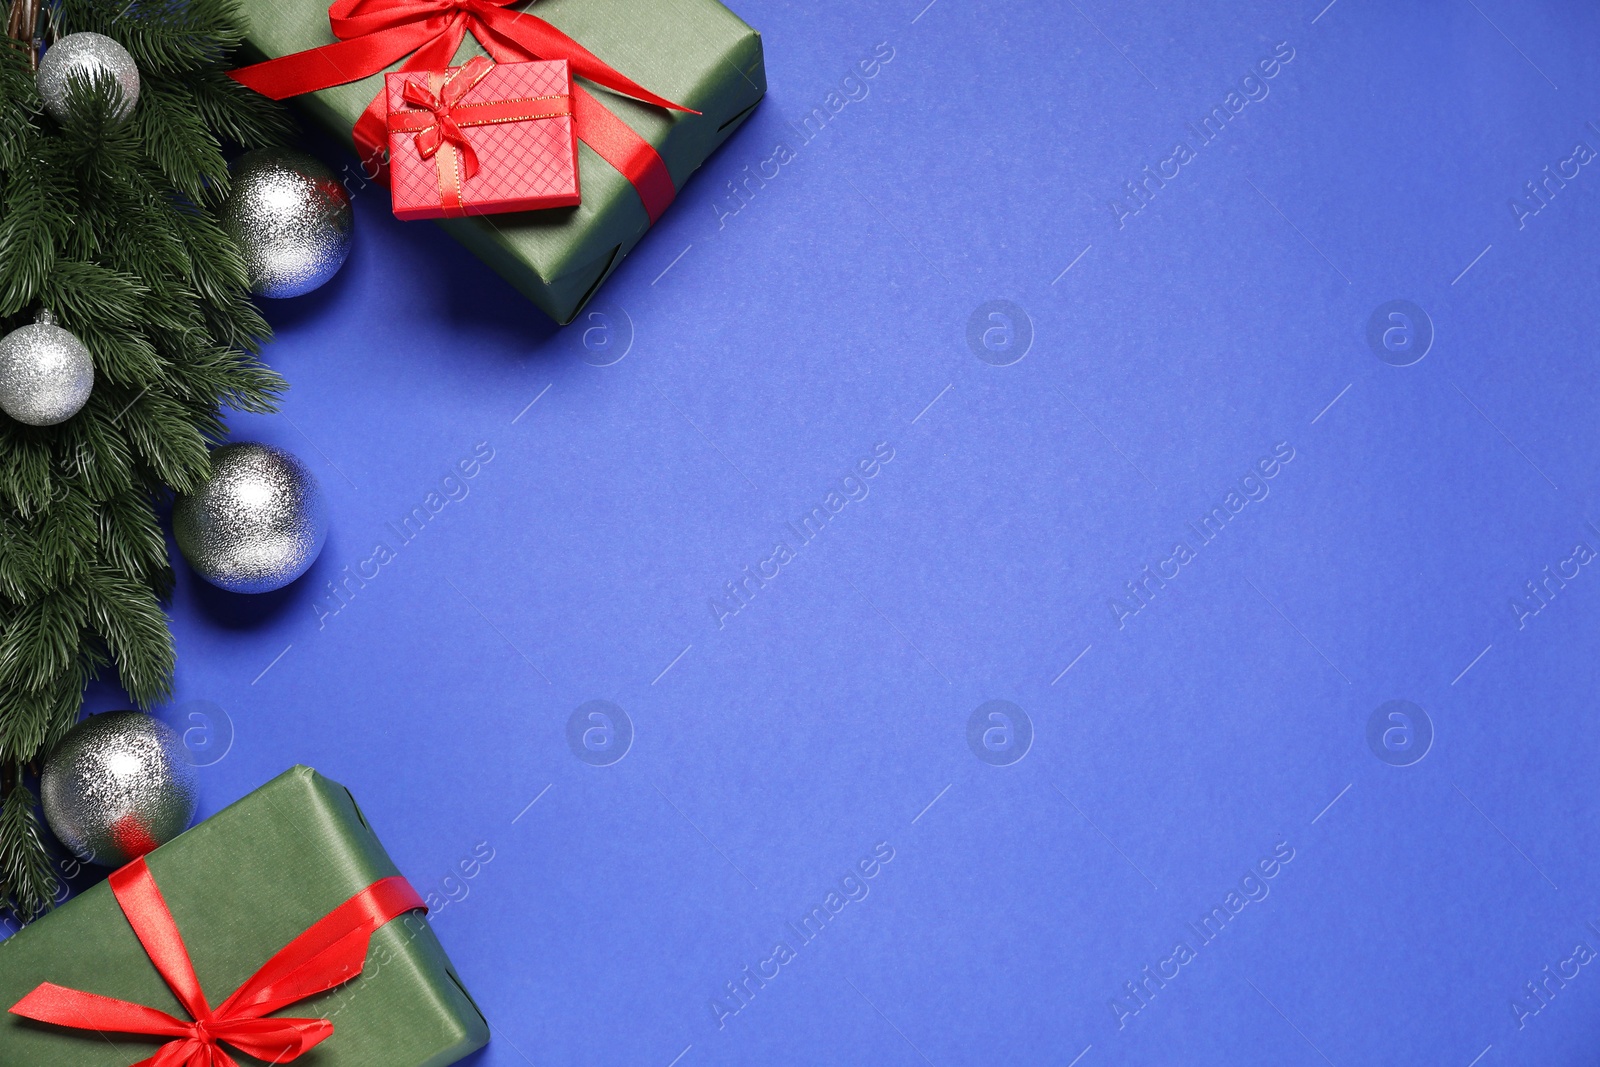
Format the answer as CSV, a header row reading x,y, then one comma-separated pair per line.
x,y
482,138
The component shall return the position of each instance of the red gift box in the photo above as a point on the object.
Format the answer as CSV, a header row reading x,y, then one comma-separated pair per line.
x,y
482,138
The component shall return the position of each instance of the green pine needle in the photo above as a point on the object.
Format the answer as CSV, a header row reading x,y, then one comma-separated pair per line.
x,y
26,877
110,223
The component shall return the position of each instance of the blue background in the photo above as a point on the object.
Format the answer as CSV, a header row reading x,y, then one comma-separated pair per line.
x,y
765,351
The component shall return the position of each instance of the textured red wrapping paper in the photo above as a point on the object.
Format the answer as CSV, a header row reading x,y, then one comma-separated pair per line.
x,y
522,164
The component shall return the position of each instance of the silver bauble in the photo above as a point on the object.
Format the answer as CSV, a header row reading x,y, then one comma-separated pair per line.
x,y
117,786
46,374
291,219
257,525
85,55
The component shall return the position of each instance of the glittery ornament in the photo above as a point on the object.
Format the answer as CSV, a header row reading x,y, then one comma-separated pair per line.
x,y
117,786
257,525
46,374
291,219
85,55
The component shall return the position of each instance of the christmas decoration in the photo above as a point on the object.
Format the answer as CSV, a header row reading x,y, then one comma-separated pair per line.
x,y
292,220
112,225
117,786
257,525
643,138
85,57
278,897
482,138
46,374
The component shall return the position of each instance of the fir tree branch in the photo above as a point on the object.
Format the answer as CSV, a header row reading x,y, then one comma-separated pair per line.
x,y
189,154
26,877
31,221
110,223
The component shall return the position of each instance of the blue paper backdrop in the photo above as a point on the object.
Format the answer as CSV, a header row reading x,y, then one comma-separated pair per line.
x,y
987,310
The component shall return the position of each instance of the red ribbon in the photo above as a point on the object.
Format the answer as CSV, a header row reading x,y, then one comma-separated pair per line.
x,y
441,117
374,34
331,952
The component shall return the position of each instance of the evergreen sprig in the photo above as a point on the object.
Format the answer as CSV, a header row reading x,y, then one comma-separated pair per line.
x,y
111,224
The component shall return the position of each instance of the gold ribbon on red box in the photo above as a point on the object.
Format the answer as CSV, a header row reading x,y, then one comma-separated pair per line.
x,y
438,116
374,34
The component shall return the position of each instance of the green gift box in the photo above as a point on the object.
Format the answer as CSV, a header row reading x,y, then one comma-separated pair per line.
x,y
694,52
240,886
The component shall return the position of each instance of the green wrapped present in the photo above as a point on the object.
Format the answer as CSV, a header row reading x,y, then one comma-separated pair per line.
x,y
279,923
690,54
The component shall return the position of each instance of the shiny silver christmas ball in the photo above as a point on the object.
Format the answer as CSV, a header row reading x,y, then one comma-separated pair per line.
x,y
46,374
85,55
291,219
257,525
117,786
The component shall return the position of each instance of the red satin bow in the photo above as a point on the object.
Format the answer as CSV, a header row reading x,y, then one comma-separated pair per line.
x,y
438,124
373,34
331,952
444,126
